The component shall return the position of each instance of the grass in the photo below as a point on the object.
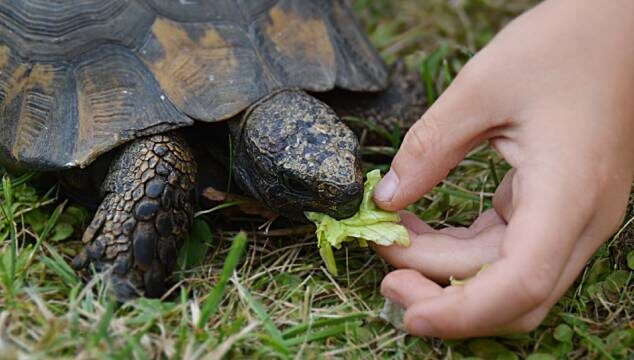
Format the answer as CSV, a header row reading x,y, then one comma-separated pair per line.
x,y
280,302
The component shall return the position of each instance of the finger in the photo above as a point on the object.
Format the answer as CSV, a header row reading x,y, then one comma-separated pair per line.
x,y
606,220
456,232
460,119
533,258
502,199
407,287
416,226
577,261
413,223
485,220
529,321
440,256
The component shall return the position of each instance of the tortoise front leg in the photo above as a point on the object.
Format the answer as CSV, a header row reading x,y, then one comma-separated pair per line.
x,y
144,218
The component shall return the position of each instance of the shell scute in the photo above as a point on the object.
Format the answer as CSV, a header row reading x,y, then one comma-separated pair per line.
x,y
80,78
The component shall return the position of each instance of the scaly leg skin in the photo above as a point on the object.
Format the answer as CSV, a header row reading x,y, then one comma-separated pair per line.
x,y
145,216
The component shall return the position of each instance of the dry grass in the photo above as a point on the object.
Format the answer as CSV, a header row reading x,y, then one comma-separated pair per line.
x,y
280,302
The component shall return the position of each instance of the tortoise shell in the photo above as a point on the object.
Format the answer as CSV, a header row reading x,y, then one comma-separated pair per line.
x,y
80,77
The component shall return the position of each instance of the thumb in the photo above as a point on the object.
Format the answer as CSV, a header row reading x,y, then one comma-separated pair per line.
x,y
460,119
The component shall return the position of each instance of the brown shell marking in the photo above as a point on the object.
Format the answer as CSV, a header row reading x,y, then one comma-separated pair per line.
x,y
191,66
4,55
183,62
41,75
303,45
36,103
115,92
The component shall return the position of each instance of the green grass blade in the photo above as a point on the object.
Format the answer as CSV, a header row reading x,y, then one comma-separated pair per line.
x,y
274,333
104,324
50,224
595,342
219,207
429,71
195,246
57,263
22,179
463,195
447,71
325,333
302,328
494,174
231,262
7,210
230,170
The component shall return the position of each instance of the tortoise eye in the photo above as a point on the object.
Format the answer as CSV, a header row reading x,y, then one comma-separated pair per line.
x,y
296,186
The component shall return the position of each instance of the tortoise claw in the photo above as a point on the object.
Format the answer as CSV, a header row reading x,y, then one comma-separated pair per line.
x,y
80,261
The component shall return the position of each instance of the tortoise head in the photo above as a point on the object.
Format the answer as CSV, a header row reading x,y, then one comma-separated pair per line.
x,y
294,154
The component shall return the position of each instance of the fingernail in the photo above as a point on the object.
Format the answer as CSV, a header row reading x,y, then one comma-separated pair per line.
x,y
386,188
420,327
391,295
389,292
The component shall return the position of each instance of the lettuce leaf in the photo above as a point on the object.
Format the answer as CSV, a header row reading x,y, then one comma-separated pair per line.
x,y
369,224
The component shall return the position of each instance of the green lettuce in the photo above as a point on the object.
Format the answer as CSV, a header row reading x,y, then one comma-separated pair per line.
x,y
369,224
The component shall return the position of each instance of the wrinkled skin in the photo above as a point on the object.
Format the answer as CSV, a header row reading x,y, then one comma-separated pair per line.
x,y
294,154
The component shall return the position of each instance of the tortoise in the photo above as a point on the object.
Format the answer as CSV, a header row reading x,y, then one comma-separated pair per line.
x,y
125,102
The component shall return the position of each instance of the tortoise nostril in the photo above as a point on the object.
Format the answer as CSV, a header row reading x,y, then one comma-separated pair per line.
x,y
344,200
342,193
354,189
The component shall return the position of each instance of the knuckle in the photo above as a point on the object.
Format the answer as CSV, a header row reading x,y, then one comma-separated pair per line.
x,y
421,138
414,143
475,72
475,75
531,322
534,285
473,86
469,75
470,81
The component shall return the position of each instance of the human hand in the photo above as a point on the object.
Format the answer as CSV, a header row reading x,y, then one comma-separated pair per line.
x,y
554,94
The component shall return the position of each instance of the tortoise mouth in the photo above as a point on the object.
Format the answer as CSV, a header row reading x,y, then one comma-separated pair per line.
x,y
343,206
347,201
292,204
346,209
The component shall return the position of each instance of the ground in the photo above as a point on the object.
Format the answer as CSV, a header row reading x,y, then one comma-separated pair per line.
x,y
280,302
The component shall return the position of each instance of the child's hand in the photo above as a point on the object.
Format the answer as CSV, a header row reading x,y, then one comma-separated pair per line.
x,y
554,94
